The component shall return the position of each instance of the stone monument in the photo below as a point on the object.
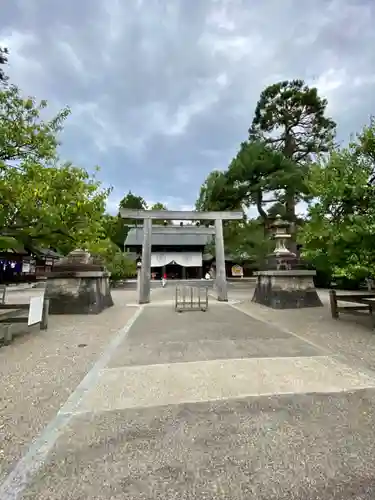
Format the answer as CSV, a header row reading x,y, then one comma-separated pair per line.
x,y
78,284
285,283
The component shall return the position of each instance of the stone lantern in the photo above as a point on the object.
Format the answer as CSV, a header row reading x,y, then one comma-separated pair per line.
x,y
285,284
282,258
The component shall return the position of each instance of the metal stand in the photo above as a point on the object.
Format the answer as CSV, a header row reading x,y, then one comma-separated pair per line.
x,y
191,298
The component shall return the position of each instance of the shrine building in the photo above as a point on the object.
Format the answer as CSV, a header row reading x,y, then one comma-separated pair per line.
x,y
176,250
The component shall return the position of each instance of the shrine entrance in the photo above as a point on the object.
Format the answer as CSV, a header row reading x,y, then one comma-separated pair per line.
x,y
174,271
176,265
148,259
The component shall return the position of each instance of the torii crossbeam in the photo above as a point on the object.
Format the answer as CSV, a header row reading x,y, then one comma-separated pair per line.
x,y
149,215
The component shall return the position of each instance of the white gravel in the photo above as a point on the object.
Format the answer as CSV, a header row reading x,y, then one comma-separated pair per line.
x,y
40,369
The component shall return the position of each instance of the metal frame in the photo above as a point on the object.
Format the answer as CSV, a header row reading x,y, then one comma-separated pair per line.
x,y
189,298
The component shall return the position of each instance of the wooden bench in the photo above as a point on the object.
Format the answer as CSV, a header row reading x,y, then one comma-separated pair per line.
x,y
361,302
10,314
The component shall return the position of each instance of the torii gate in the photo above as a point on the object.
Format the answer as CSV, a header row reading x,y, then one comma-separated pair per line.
x,y
149,215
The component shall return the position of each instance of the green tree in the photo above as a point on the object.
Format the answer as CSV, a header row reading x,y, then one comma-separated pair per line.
x,y
56,206
121,267
43,202
133,201
339,234
245,242
32,187
277,209
158,206
24,135
160,222
259,174
117,227
290,117
218,193
117,263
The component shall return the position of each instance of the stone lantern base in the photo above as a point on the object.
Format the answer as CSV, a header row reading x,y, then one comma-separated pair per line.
x,y
286,289
78,285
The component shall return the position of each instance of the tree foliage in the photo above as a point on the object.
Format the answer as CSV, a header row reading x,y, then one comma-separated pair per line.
x,y
245,242
42,202
24,135
339,234
116,261
217,193
55,206
258,173
288,131
117,228
160,222
46,203
291,118
133,201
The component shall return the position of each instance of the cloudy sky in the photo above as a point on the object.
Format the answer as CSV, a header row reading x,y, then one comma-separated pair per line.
x,y
163,91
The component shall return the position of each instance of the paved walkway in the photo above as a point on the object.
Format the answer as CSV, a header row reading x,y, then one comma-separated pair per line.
x,y
207,406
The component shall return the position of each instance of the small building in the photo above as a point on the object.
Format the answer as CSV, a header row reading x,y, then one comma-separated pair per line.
x,y
23,265
175,250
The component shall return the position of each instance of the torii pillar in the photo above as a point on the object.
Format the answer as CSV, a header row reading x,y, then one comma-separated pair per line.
x,y
149,215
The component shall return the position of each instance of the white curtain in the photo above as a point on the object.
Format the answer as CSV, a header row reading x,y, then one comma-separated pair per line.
x,y
186,259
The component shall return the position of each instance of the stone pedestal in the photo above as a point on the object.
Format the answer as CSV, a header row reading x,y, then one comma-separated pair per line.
x,y
286,289
285,283
78,285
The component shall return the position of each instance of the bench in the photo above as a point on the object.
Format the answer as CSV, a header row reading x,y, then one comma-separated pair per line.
x,y
10,314
361,302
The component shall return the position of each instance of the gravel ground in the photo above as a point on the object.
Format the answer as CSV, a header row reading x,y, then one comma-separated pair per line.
x,y
305,446
39,370
300,447
350,336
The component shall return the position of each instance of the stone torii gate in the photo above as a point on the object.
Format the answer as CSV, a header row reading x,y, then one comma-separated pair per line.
x,y
149,215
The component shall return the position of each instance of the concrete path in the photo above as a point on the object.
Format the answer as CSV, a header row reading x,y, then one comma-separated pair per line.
x,y
207,406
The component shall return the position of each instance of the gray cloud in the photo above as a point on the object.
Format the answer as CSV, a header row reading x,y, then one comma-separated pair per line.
x,y
161,92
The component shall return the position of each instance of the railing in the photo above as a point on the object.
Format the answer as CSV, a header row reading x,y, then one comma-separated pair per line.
x,y
191,298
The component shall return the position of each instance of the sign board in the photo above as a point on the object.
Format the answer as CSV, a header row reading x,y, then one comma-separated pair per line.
x,y
35,310
237,271
26,267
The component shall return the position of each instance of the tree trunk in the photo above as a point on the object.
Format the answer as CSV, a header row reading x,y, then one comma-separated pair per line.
x,y
290,209
263,214
290,195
